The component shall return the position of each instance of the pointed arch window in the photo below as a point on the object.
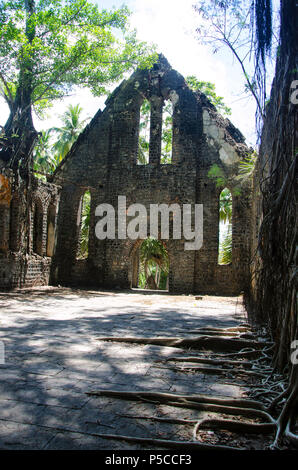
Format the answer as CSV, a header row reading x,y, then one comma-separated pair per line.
x,y
144,133
225,227
84,209
51,223
167,133
37,244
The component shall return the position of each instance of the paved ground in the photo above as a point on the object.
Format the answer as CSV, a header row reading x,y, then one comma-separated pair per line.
x,y
53,357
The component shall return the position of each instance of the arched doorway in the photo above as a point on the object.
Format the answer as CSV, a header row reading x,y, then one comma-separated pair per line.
x,y
150,265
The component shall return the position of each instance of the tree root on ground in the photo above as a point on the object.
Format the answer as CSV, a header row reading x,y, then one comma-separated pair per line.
x,y
160,419
169,444
163,397
228,351
213,370
248,408
234,426
212,404
214,362
245,334
213,343
231,329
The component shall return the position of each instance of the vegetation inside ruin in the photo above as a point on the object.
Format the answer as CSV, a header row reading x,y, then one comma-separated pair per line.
x,y
50,47
225,227
85,226
154,265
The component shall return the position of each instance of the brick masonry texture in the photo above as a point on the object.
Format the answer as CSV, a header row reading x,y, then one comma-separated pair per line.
x,y
104,161
26,235
40,221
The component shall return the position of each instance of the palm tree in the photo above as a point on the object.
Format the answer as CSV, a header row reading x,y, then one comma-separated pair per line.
x,y
69,132
47,156
225,206
43,158
154,262
225,218
225,248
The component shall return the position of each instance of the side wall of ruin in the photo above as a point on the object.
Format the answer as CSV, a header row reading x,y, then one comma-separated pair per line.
x,y
27,231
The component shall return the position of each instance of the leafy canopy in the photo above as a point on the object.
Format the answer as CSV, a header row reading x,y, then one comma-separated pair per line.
x,y
49,46
208,89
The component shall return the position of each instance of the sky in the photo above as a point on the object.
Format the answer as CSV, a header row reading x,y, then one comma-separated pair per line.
x,y
171,25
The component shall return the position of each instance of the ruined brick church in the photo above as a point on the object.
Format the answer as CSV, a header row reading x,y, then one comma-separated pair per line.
x,y
42,248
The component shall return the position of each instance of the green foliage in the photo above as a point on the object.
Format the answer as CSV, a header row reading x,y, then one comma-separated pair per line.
x,y
218,174
85,226
43,158
49,46
247,165
143,155
153,257
208,89
246,169
225,206
167,133
69,132
47,156
144,132
225,221
167,121
225,249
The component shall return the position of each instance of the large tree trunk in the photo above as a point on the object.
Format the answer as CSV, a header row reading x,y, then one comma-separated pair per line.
x,y
20,134
274,292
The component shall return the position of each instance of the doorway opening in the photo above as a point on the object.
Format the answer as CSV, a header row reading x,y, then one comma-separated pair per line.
x,y
150,265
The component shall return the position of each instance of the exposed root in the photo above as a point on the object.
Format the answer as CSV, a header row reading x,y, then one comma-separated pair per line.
x,y
234,426
231,329
214,370
214,362
218,343
225,333
289,412
291,436
281,426
163,397
231,406
230,351
214,333
161,420
169,444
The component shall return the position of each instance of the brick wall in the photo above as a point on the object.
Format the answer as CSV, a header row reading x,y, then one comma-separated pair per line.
x,y
104,161
24,232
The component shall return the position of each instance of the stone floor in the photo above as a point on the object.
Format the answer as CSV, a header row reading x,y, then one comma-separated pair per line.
x,y
53,357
